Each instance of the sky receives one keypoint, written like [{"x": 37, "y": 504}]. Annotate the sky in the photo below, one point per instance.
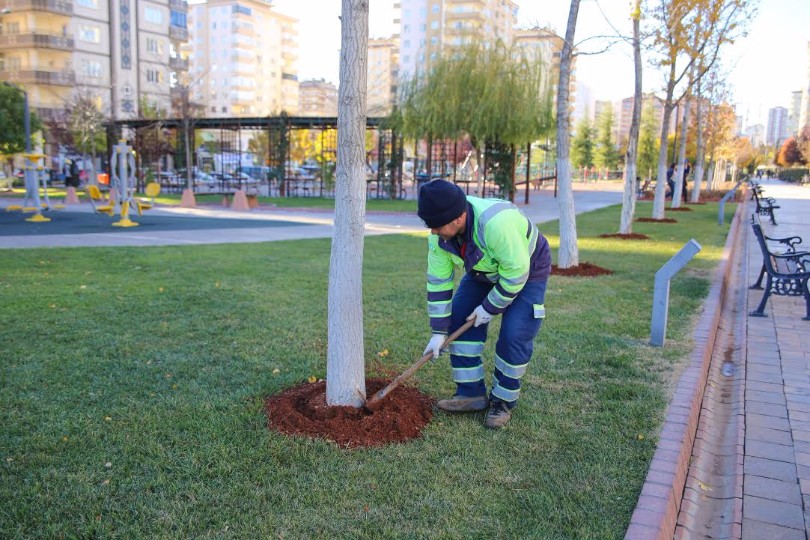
[{"x": 763, "y": 68}]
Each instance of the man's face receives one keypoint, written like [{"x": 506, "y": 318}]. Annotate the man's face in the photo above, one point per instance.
[{"x": 452, "y": 229}]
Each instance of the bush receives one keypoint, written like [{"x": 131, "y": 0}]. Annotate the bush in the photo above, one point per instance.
[{"x": 794, "y": 175}]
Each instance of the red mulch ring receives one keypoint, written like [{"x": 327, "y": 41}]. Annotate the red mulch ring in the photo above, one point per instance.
[
  {"x": 581, "y": 270},
  {"x": 653, "y": 220},
  {"x": 679, "y": 209},
  {"x": 626, "y": 236},
  {"x": 302, "y": 410}
]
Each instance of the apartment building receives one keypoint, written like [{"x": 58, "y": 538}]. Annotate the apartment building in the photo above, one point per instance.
[
  {"x": 804, "y": 109},
  {"x": 777, "y": 127},
  {"x": 383, "y": 68},
  {"x": 316, "y": 97},
  {"x": 116, "y": 50},
  {"x": 430, "y": 27},
  {"x": 243, "y": 59}
]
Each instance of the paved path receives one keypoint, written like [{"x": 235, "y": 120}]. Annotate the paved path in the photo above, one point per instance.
[
  {"x": 220, "y": 225},
  {"x": 776, "y": 461}
]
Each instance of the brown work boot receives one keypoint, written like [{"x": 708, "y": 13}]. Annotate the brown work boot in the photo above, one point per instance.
[
  {"x": 498, "y": 415},
  {"x": 463, "y": 404}
]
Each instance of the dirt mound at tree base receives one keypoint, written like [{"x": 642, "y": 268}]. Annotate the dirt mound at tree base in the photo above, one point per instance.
[
  {"x": 653, "y": 220},
  {"x": 625, "y": 236},
  {"x": 584, "y": 269},
  {"x": 302, "y": 410}
]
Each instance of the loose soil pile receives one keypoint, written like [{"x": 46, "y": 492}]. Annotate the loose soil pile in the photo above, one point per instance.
[
  {"x": 626, "y": 236},
  {"x": 581, "y": 270},
  {"x": 302, "y": 410},
  {"x": 679, "y": 209},
  {"x": 653, "y": 220}
]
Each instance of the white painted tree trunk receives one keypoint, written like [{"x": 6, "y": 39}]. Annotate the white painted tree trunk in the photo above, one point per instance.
[
  {"x": 700, "y": 155},
  {"x": 345, "y": 367},
  {"x": 630, "y": 187},
  {"x": 568, "y": 254},
  {"x": 679, "y": 180},
  {"x": 661, "y": 182}
]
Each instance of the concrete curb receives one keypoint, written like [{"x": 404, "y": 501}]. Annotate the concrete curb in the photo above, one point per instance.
[{"x": 656, "y": 512}]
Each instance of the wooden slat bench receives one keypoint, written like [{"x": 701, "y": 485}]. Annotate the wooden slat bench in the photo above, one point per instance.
[
  {"x": 765, "y": 205},
  {"x": 787, "y": 273}
]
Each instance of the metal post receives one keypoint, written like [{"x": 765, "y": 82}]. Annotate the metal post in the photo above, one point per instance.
[
  {"x": 658, "y": 327},
  {"x": 727, "y": 196}
]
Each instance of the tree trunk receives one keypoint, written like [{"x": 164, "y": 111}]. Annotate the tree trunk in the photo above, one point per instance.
[
  {"x": 679, "y": 170},
  {"x": 568, "y": 253},
  {"x": 661, "y": 182},
  {"x": 701, "y": 150},
  {"x": 345, "y": 370},
  {"x": 630, "y": 187}
]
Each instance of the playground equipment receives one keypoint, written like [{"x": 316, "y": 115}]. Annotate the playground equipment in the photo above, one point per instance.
[
  {"x": 122, "y": 189},
  {"x": 35, "y": 177}
]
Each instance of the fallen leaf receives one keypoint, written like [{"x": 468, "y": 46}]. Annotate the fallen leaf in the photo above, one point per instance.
[
  {"x": 160, "y": 289},
  {"x": 108, "y": 465},
  {"x": 640, "y": 437},
  {"x": 312, "y": 379},
  {"x": 107, "y": 418},
  {"x": 276, "y": 371}
]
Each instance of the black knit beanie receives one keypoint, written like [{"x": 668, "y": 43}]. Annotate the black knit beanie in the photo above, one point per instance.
[{"x": 440, "y": 202}]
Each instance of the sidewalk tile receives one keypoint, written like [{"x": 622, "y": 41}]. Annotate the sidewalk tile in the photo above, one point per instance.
[
  {"x": 775, "y": 490},
  {"x": 775, "y": 512},
  {"x": 768, "y": 468},
  {"x": 757, "y": 530}
]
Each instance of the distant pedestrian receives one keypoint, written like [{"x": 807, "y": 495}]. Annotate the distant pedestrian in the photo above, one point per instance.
[
  {"x": 670, "y": 180},
  {"x": 74, "y": 174},
  {"x": 687, "y": 168}
]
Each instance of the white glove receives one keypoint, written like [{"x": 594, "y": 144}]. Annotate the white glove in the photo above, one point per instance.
[
  {"x": 480, "y": 315},
  {"x": 435, "y": 345}
]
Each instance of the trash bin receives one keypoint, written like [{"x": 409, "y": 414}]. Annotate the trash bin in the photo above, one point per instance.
[{"x": 103, "y": 178}]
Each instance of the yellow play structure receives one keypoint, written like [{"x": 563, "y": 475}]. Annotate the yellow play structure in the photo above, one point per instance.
[
  {"x": 35, "y": 178},
  {"x": 122, "y": 189}
]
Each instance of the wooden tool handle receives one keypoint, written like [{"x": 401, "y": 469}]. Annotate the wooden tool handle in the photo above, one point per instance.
[{"x": 416, "y": 365}]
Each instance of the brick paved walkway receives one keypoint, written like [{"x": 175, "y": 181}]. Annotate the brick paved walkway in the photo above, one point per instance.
[
  {"x": 776, "y": 480},
  {"x": 733, "y": 458}
]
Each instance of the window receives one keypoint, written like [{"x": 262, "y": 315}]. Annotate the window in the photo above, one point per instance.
[
  {"x": 90, "y": 68},
  {"x": 90, "y": 34},
  {"x": 224, "y": 109},
  {"x": 178, "y": 19},
  {"x": 154, "y": 76},
  {"x": 435, "y": 8},
  {"x": 242, "y": 9},
  {"x": 88, "y": 3},
  {"x": 153, "y": 15},
  {"x": 153, "y": 46},
  {"x": 434, "y": 25}
]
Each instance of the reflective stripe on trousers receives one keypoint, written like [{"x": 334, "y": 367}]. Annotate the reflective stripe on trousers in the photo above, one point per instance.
[{"x": 519, "y": 325}]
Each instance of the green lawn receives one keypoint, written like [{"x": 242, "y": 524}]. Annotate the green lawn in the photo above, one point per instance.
[{"x": 133, "y": 382}]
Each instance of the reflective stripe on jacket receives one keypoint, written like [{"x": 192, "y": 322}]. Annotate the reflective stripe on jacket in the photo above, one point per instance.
[{"x": 502, "y": 247}]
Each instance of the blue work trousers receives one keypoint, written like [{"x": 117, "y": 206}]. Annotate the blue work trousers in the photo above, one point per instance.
[{"x": 519, "y": 326}]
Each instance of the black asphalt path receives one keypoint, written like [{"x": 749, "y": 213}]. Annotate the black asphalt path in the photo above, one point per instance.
[{"x": 62, "y": 222}]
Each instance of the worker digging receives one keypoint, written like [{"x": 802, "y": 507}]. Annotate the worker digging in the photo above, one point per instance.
[{"x": 507, "y": 263}]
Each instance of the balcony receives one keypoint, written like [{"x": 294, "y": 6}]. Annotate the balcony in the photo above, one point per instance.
[
  {"x": 38, "y": 76},
  {"x": 178, "y": 64},
  {"x": 179, "y": 5},
  {"x": 57, "y": 7},
  {"x": 178, "y": 33},
  {"x": 38, "y": 40}
]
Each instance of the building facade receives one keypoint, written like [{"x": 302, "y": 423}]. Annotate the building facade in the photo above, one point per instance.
[
  {"x": 777, "y": 128},
  {"x": 383, "y": 72},
  {"x": 316, "y": 97},
  {"x": 430, "y": 27},
  {"x": 242, "y": 59},
  {"x": 115, "y": 51},
  {"x": 804, "y": 113}
]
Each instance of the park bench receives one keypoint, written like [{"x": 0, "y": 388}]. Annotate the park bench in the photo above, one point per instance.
[
  {"x": 765, "y": 205},
  {"x": 787, "y": 273}
]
